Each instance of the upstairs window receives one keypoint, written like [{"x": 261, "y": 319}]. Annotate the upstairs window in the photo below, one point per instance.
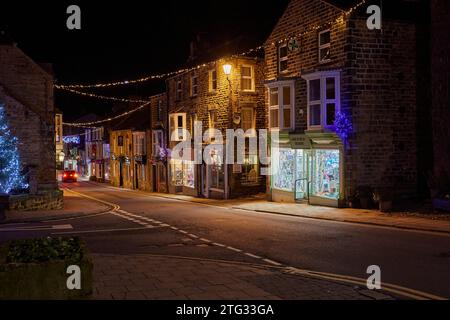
[
  {"x": 157, "y": 142},
  {"x": 281, "y": 106},
  {"x": 213, "y": 119},
  {"x": 248, "y": 118},
  {"x": 212, "y": 80},
  {"x": 247, "y": 78},
  {"x": 194, "y": 85},
  {"x": 323, "y": 99},
  {"x": 177, "y": 126},
  {"x": 139, "y": 144},
  {"x": 324, "y": 46},
  {"x": 282, "y": 58},
  {"x": 178, "y": 89}
]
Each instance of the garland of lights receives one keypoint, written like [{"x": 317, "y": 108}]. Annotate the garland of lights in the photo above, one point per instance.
[
  {"x": 10, "y": 175},
  {"x": 97, "y": 96},
  {"x": 92, "y": 123},
  {"x": 339, "y": 19}
]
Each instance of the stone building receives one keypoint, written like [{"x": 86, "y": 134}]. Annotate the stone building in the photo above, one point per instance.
[
  {"x": 440, "y": 95},
  {"x": 343, "y": 100},
  {"x": 26, "y": 91},
  {"x": 219, "y": 102},
  {"x": 97, "y": 153},
  {"x": 156, "y": 143},
  {"x": 128, "y": 164}
]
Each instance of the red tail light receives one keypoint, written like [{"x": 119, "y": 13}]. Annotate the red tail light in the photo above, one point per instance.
[
  {"x": 75, "y": 175},
  {"x": 65, "y": 175}
]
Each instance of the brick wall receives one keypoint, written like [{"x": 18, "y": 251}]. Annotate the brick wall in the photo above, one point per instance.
[
  {"x": 440, "y": 71},
  {"x": 27, "y": 91}
]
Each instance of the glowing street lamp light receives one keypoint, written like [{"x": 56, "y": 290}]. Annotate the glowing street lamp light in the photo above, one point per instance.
[{"x": 227, "y": 69}]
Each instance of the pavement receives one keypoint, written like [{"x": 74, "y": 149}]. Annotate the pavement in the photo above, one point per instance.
[
  {"x": 75, "y": 205},
  {"x": 401, "y": 220},
  {"x": 143, "y": 276}
]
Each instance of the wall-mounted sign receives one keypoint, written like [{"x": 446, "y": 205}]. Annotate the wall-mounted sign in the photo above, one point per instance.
[
  {"x": 72, "y": 139},
  {"x": 293, "y": 45},
  {"x": 299, "y": 141}
]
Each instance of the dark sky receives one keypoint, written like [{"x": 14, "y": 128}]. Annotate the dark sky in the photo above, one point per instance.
[{"x": 128, "y": 39}]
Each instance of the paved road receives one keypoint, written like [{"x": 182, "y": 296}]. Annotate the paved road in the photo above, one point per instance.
[{"x": 412, "y": 259}]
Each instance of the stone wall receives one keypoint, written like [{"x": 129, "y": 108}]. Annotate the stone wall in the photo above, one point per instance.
[
  {"x": 27, "y": 91},
  {"x": 440, "y": 83},
  {"x": 49, "y": 200},
  {"x": 379, "y": 92}
]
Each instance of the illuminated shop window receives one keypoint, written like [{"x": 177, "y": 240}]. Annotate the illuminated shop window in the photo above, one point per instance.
[
  {"x": 189, "y": 174},
  {"x": 283, "y": 167},
  {"x": 325, "y": 175}
]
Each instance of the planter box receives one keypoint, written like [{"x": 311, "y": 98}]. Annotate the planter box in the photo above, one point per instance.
[{"x": 46, "y": 280}]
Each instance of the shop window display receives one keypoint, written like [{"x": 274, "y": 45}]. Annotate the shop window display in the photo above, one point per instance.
[
  {"x": 283, "y": 166},
  {"x": 176, "y": 170},
  {"x": 326, "y": 174},
  {"x": 188, "y": 174}
]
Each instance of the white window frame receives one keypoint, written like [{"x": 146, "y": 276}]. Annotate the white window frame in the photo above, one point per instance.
[
  {"x": 139, "y": 143},
  {"x": 251, "y": 77},
  {"x": 176, "y": 127},
  {"x": 211, "y": 81},
  {"x": 322, "y": 76},
  {"x": 282, "y": 59},
  {"x": 178, "y": 89},
  {"x": 281, "y": 107},
  {"x": 157, "y": 141},
  {"x": 194, "y": 86},
  {"x": 324, "y": 46}
]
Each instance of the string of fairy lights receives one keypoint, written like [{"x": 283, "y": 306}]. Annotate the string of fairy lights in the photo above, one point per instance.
[
  {"x": 93, "y": 123},
  {"x": 72, "y": 88}
]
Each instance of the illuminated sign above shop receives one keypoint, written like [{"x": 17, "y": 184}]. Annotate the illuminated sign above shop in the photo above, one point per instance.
[{"x": 72, "y": 139}]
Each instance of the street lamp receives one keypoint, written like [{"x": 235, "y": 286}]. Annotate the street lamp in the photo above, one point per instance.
[
  {"x": 227, "y": 69},
  {"x": 61, "y": 156}
]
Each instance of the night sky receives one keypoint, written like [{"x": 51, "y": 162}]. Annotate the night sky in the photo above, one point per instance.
[{"x": 128, "y": 39}]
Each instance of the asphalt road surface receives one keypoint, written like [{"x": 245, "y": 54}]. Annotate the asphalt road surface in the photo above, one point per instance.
[{"x": 150, "y": 224}]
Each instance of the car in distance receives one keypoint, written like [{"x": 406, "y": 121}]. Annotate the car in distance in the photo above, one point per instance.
[{"x": 69, "y": 176}]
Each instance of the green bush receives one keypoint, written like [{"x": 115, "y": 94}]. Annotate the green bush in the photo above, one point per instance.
[{"x": 45, "y": 249}]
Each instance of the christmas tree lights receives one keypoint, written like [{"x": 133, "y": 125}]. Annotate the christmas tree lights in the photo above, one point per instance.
[{"x": 10, "y": 175}]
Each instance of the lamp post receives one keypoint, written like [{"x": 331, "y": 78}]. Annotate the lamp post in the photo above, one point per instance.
[{"x": 227, "y": 71}]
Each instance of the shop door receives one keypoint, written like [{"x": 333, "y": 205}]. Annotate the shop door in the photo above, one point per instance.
[{"x": 302, "y": 180}]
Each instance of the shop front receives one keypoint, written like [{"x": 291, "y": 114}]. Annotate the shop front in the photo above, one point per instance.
[
  {"x": 182, "y": 177},
  {"x": 307, "y": 169}
]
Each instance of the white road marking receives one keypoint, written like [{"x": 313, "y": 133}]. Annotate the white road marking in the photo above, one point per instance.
[
  {"x": 234, "y": 249},
  {"x": 218, "y": 244},
  {"x": 272, "y": 262},
  {"x": 103, "y": 230},
  {"x": 205, "y": 240},
  {"x": 252, "y": 255}
]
